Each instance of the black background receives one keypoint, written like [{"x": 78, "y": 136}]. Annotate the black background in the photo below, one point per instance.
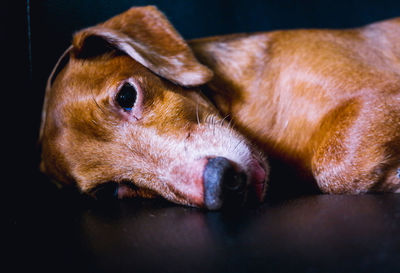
[{"x": 60, "y": 231}]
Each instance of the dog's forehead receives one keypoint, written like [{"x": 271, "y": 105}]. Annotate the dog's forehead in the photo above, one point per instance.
[{"x": 91, "y": 76}]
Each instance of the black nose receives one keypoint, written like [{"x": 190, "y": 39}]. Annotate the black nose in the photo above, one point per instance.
[{"x": 223, "y": 185}]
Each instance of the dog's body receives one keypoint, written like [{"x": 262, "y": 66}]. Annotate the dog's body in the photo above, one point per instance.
[{"x": 328, "y": 101}]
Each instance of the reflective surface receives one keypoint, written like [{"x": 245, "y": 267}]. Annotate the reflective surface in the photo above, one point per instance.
[{"x": 64, "y": 232}]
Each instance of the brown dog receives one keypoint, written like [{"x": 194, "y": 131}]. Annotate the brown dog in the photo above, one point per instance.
[{"x": 123, "y": 108}]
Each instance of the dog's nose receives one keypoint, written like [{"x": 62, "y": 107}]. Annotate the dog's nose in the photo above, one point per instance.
[{"x": 223, "y": 184}]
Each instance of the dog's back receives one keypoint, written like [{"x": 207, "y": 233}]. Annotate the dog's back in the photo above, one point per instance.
[{"x": 325, "y": 100}]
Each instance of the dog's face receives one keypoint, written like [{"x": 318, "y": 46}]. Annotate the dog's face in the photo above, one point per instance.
[{"x": 111, "y": 122}]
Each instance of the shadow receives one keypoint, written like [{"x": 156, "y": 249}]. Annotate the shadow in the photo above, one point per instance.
[
  {"x": 322, "y": 233},
  {"x": 152, "y": 235},
  {"x": 63, "y": 231}
]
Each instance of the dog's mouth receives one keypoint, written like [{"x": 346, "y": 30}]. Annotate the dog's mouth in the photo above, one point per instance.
[{"x": 258, "y": 179}]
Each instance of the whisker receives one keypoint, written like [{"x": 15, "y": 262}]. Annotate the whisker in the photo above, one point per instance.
[
  {"x": 101, "y": 109},
  {"x": 197, "y": 114},
  {"x": 237, "y": 145},
  {"x": 214, "y": 123},
  {"x": 207, "y": 120},
  {"x": 96, "y": 103},
  {"x": 222, "y": 120}
]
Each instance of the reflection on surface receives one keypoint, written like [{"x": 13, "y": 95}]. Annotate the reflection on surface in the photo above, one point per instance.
[
  {"x": 309, "y": 233},
  {"x": 54, "y": 231}
]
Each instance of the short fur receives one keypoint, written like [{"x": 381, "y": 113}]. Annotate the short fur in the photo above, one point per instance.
[{"x": 328, "y": 101}]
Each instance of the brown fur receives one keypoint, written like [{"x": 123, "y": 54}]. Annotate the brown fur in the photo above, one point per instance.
[{"x": 327, "y": 100}]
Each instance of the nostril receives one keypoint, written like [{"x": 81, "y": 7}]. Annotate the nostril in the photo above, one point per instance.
[
  {"x": 233, "y": 180},
  {"x": 222, "y": 182}
]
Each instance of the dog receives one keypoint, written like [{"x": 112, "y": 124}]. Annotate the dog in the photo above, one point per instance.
[{"x": 125, "y": 112}]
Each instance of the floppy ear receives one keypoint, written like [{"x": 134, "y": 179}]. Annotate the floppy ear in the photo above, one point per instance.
[{"x": 146, "y": 35}]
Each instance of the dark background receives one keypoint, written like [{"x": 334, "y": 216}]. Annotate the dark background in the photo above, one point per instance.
[{"x": 52, "y": 230}]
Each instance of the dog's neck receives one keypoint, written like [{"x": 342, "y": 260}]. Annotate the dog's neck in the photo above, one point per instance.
[{"x": 237, "y": 62}]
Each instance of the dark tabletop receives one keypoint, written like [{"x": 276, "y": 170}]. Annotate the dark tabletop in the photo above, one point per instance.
[{"x": 61, "y": 231}]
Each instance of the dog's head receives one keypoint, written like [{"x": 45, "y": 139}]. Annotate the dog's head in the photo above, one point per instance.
[{"x": 123, "y": 112}]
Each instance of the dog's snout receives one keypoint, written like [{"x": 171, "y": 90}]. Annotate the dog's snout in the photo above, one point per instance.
[{"x": 223, "y": 184}]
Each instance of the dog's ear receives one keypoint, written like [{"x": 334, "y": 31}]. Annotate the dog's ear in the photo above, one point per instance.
[{"x": 146, "y": 35}]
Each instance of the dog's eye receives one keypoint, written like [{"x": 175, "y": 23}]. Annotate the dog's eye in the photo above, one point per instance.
[{"x": 126, "y": 96}]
